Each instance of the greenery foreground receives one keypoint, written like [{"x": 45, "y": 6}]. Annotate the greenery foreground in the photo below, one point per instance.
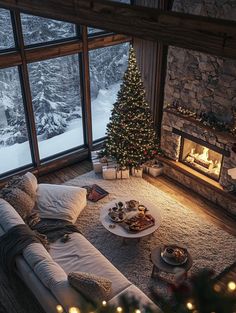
[{"x": 200, "y": 294}]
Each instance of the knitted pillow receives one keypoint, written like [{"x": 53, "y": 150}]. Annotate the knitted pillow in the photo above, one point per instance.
[
  {"x": 20, "y": 192},
  {"x": 95, "y": 288}
]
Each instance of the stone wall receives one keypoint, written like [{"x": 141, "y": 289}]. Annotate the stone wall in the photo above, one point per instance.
[{"x": 197, "y": 81}]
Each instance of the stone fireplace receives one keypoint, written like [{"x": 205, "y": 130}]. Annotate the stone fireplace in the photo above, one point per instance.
[
  {"x": 199, "y": 157},
  {"x": 199, "y": 119}
]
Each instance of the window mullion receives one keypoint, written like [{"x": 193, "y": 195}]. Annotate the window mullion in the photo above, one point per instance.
[
  {"x": 86, "y": 89},
  {"x": 26, "y": 91}
]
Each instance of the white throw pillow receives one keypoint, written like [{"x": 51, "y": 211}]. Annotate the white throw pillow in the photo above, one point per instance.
[{"x": 60, "y": 201}]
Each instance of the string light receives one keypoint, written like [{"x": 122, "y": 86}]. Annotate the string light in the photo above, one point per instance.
[
  {"x": 59, "y": 308},
  {"x": 217, "y": 288},
  {"x": 104, "y": 303},
  {"x": 137, "y": 311},
  {"x": 189, "y": 305},
  {"x": 119, "y": 309},
  {"x": 231, "y": 286},
  {"x": 74, "y": 309}
]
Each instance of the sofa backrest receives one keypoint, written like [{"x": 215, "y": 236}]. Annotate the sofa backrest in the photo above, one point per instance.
[{"x": 50, "y": 274}]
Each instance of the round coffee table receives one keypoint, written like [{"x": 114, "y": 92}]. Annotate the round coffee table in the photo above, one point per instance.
[
  {"x": 120, "y": 230},
  {"x": 160, "y": 267}
]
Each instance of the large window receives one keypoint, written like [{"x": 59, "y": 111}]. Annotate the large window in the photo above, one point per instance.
[
  {"x": 55, "y": 86},
  {"x": 14, "y": 143},
  {"x": 6, "y": 32},
  {"x": 107, "y": 67},
  {"x": 45, "y": 109},
  {"x": 38, "y": 29}
]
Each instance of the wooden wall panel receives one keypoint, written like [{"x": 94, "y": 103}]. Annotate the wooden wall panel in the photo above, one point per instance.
[
  {"x": 146, "y": 52},
  {"x": 151, "y": 57}
]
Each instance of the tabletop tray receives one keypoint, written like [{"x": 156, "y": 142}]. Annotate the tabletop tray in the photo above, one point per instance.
[{"x": 142, "y": 222}]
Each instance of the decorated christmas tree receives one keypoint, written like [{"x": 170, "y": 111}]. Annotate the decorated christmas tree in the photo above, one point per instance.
[{"x": 131, "y": 138}]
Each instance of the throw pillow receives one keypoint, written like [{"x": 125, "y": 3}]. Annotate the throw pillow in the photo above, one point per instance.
[
  {"x": 20, "y": 192},
  {"x": 93, "y": 287},
  {"x": 60, "y": 201},
  {"x": 20, "y": 201}
]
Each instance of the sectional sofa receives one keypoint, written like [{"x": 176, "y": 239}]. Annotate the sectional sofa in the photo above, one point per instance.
[{"x": 46, "y": 273}]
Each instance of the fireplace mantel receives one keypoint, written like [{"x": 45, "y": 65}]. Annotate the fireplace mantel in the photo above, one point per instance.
[{"x": 221, "y": 134}]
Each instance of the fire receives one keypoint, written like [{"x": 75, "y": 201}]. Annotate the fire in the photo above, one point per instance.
[{"x": 200, "y": 159}]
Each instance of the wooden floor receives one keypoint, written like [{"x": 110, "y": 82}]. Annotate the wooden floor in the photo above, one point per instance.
[{"x": 182, "y": 194}]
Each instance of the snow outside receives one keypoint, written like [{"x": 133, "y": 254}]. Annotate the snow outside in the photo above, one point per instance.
[{"x": 56, "y": 93}]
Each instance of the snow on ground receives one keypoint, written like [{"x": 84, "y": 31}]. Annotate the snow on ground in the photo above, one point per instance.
[
  {"x": 101, "y": 110},
  {"x": 18, "y": 155}
]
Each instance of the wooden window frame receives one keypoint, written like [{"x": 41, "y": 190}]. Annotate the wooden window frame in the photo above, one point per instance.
[{"x": 22, "y": 55}]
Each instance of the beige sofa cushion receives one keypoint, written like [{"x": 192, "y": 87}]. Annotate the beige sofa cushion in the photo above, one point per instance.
[
  {"x": 79, "y": 255},
  {"x": 93, "y": 287},
  {"x": 60, "y": 201},
  {"x": 51, "y": 275},
  {"x": 9, "y": 216}
]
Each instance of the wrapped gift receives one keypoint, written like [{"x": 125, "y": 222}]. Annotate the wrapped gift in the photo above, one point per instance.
[
  {"x": 122, "y": 173},
  {"x": 155, "y": 170},
  {"x": 109, "y": 172},
  {"x": 99, "y": 163},
  {"x": 147, "y": 165},
  {"x": 97, "y": 166},
  {"x": 137, "y": 172}
]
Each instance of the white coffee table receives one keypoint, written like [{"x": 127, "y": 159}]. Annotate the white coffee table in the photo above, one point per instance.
[{"x": 120, "y": 230}]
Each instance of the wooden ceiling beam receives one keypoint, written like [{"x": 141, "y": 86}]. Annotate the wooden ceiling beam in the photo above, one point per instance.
[{"x": 209, "y": 35}]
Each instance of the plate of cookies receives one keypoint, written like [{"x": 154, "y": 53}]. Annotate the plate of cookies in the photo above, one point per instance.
[{"x": 174, "y": 255}]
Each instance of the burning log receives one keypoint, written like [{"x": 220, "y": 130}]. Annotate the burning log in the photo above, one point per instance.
[{"x": 205, "y": 163}]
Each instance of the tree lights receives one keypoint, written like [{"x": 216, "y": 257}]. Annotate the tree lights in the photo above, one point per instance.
[{"x": 131, "y": 138}]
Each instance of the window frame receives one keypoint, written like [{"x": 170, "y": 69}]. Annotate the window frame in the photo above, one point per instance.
[{"x": 22, "y": 55}]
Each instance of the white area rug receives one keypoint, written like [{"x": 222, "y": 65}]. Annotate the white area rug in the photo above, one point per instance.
[{"x": 210, "y": 246}]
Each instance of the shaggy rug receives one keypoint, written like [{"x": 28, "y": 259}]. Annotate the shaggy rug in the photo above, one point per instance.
[{"x": 210, "y": 246}]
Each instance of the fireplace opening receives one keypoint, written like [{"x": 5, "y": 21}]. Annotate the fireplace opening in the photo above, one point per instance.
[{"x": 201, "y": 158}]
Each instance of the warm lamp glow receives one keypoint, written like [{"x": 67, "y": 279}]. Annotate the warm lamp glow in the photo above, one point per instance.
[
  {"x": 119, "y": 309},
  {"x": 137, "y": 311},
  {"x": 59, "y": 308},
  {"x": 231, "y": 286},
  {"x": 73, "y": 309}
]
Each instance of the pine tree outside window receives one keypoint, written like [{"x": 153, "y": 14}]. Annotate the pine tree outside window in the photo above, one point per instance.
[
  {"x": 14, "y": 143},
  {"x": 38, "y": 29},
  {"x": 6, "y": 31},
  {"x": 107, "y": 67},
  {"x": 55, "y": 87}
]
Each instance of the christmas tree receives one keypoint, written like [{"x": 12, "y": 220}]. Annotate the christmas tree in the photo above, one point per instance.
[{"x": 131, "y": 138}]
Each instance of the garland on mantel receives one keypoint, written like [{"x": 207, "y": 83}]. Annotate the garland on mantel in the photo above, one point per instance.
[{"x": 207, "y": 119}]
